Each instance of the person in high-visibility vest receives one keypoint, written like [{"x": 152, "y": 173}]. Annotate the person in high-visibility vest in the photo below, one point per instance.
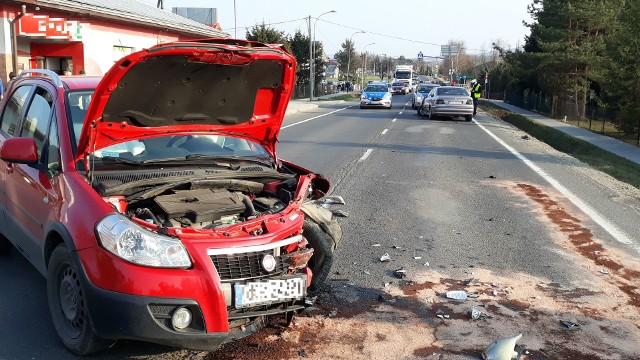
[{"x": 476, "y": 90}]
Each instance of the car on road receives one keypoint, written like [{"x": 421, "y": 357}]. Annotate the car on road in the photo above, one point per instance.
[
  {"x": 449, "y": 101},
  {"x": 400, "y": 88},
  {"x": 153, "y": 201},
  {"x": 376, "y": 94},
  {"x": 422, "y": 90}
]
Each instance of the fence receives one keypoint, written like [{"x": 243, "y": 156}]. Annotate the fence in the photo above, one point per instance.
[
  {"x": 301, "y": 91},
  {"x": 616, "y": 124}
]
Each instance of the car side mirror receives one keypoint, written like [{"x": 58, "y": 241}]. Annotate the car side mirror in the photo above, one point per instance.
[{"x": 19, "y": 150}]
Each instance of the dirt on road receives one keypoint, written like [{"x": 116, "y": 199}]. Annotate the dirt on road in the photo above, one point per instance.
[{"x": 413, "y": 319}]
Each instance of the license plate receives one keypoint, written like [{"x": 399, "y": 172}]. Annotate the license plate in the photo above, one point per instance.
[
  {"x": 269, "y": 291},
  {"x": 455, "y": 102}
]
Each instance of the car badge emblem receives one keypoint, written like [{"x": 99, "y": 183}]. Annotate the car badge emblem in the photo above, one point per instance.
[{"x": 269, "y": 263}]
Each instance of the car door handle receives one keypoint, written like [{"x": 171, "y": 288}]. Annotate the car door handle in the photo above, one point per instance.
[{"x": 9, "y": 168}]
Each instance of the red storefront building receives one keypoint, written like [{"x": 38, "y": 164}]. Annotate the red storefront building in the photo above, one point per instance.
[{"x": 87, "y": 36}]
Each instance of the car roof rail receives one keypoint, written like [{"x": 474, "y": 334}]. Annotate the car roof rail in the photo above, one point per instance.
[{"x": 44, "y": 73}]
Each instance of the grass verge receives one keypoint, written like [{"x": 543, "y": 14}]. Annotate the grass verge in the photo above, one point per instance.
[
  {"x": 341, "y": 97},
  {"x": 614, "y": 165}
]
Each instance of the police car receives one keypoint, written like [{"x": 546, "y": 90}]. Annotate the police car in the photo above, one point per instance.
[{"x": 376, "y": 94}]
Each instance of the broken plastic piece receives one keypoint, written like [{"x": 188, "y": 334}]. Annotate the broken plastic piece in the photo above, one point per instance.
[
  {"x": 387, "y": 284},
  {"x": 366, "y": 272},
  {"x": 302, "y": 353},
  {"x": 385, "y": 257},
  {"x": 340, "y": 213},
  {"x": 604, "y": 271},
  {"x": 443, "y": 316},
  {"x": 569, "y": 324},
  {"x": 400, "y": 273},
  {"x": 420, "y": 237},
  {"x": 310, "y": 300},
  {"x": 335, "y": 199},
  {"x": 457, "y": 295},
  {"x": 475, "y": 313},
  {"x": 376, "y": 245},
  {"x": 397, "y": 247},
  {"x": 426, "y": 264},
  {"x": 417, "y": 257},
  {"x": 503, "y": 349},
  {"x": 333, "y": 313},
  {"x": 495, "y": 292}
]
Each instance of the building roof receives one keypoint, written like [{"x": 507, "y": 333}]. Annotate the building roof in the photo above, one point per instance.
[{"x": 136, "y": 12}]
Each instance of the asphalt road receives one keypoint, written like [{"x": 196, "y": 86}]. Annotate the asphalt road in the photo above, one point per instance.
[{"x": 443, "y": 193}]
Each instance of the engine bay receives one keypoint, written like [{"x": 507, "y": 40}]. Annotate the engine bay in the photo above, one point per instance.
[{"x": 206, "y": 204}]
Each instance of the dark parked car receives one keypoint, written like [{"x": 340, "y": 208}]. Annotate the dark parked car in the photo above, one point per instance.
[{"x": 153, "y": 201}]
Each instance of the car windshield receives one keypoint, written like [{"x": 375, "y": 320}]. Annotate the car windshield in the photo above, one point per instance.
[
  {"x": 425, "y": 89},
  {"x": 398, "y": 84},
  {"x": 161, "y": 148},
  {"x": 452, "y": 91},
  {"x": 376, "y": 88},
  {"x": 403, "y": 75}
]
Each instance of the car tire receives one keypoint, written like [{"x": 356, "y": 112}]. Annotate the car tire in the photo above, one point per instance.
[
  {"x": 322, "y": 259},
  {"x": 432, "y": 116},
  {"x": 5, "y": 245},
  {"x": 361, "y": 107},
  {"x": 67, "y": 305},
  {"x": 421, "y": 112},
  {"x": 468, "y": 117}
]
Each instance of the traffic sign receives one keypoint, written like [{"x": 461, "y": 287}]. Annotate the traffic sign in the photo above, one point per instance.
[{"x": 420, "y": 56}]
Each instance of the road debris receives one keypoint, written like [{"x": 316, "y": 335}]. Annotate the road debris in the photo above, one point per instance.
[
  {"x": 333, "y": 313},
  {"x": 477, "y": 314},
  {"x": 457, "y": 295},
  {"x": 397, "y": 247},
  {"x": 503, "y": 349},
  {"x": 525, "y": 137},
  {"x": 340, "y": 213},
  {"x": 426, "y": 264},
  {"x": 417, "y": 257},
  {"x": 400, "y": 273},
  {"x": 537, "y": 297},
  {"x": 420, "y": 237},
  {"x": 310, "y": 300},
  {"x": 495, "y": 292},
  {"x": 385, "y": 257},
  {"x": 604, "y": 271},
  {"x": 568, "y": 324},
  {"x": 441, "y": 316},
  {"x": 471, "y": 281},
  {"x": 388, "y": 283},
  {"x": 491, "y": 177},
  {"x": 366, "y": 272},
  {"x": 376, "y": 245},
  {"x": 302, "y": 353},
  {"x": 473, "y": 295}
]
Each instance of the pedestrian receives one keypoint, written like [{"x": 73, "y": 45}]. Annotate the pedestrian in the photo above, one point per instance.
[
  {"x": 476, "y": 90},
  {"x": 12, "y": 76}
]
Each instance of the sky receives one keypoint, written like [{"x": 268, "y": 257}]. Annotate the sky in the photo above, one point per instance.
[{"x": 393, "y": 28}]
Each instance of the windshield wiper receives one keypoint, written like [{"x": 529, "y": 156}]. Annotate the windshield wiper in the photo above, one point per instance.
[
  {"x": 120, "y": 160},
  {"x": 266, "y": 161}
]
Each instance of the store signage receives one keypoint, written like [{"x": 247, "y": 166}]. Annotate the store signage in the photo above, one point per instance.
[{"x": 49, "y": 27}]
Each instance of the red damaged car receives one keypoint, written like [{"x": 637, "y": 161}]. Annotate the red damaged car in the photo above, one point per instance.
[{"x": 153, "y": 201}]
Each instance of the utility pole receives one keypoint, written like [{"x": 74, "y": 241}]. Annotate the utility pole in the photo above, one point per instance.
[
  {"x": 235, "y": 22},
  {"x": 311, "y": 79}
]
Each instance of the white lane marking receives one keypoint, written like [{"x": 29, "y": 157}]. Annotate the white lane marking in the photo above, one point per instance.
[
  {"x": 384, "y": 131},
  {"x": 315, "y": 117},
  {"x": 617, "y": 234},
  {"x": 366, "y": 155},
  {"x": 394, "y": 120}
]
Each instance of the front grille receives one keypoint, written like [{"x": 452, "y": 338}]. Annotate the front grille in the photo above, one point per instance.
[
  {"x": 377, "y": 99},
  {"x": 248, "y": 265}
]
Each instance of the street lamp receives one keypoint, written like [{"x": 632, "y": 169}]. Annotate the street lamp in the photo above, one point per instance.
[
  {"x": 364, "y": 63},
  {"x": 349, "y": 52},
  {"x": 312, "y": 61}
]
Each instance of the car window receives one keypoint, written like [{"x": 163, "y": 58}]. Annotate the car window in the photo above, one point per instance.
[
  {"x": 53, "y": 149},
  {"x": 376, "y": 88},
  {"x": 78, "y": 104},
  {"x": 453, "y": 91},
  {"x": 13, "y": 109},
  {"x": 36, "y": 122}
]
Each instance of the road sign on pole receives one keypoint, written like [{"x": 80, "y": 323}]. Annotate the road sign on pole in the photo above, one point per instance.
[{"x": 420, "y": 55}]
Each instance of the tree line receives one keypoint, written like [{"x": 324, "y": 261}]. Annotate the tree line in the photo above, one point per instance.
[{"x": 578, "y": 52}]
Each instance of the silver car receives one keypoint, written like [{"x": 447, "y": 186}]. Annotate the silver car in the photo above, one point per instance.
[
  {"x": 422, "y": 90},
  {"x": 448, "y": 101}
]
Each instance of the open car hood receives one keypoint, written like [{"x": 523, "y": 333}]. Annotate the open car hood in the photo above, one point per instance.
[{"x": 227, "y": 86}]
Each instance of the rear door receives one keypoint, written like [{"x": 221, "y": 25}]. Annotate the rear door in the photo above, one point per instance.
[
  {"x": 32, "y": 195},
  {"x": 13, "y": 108}
]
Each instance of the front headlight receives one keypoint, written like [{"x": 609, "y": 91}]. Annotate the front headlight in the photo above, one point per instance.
[
  {"x": 387, "y": 95},
  {"x": 130, "y": 241},
  {"x": 363, "y": 97},
  {"x": 418, "y": 98}
]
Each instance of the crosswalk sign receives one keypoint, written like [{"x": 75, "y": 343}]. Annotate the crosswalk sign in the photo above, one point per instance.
[{"x": 420, "y": 56}]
